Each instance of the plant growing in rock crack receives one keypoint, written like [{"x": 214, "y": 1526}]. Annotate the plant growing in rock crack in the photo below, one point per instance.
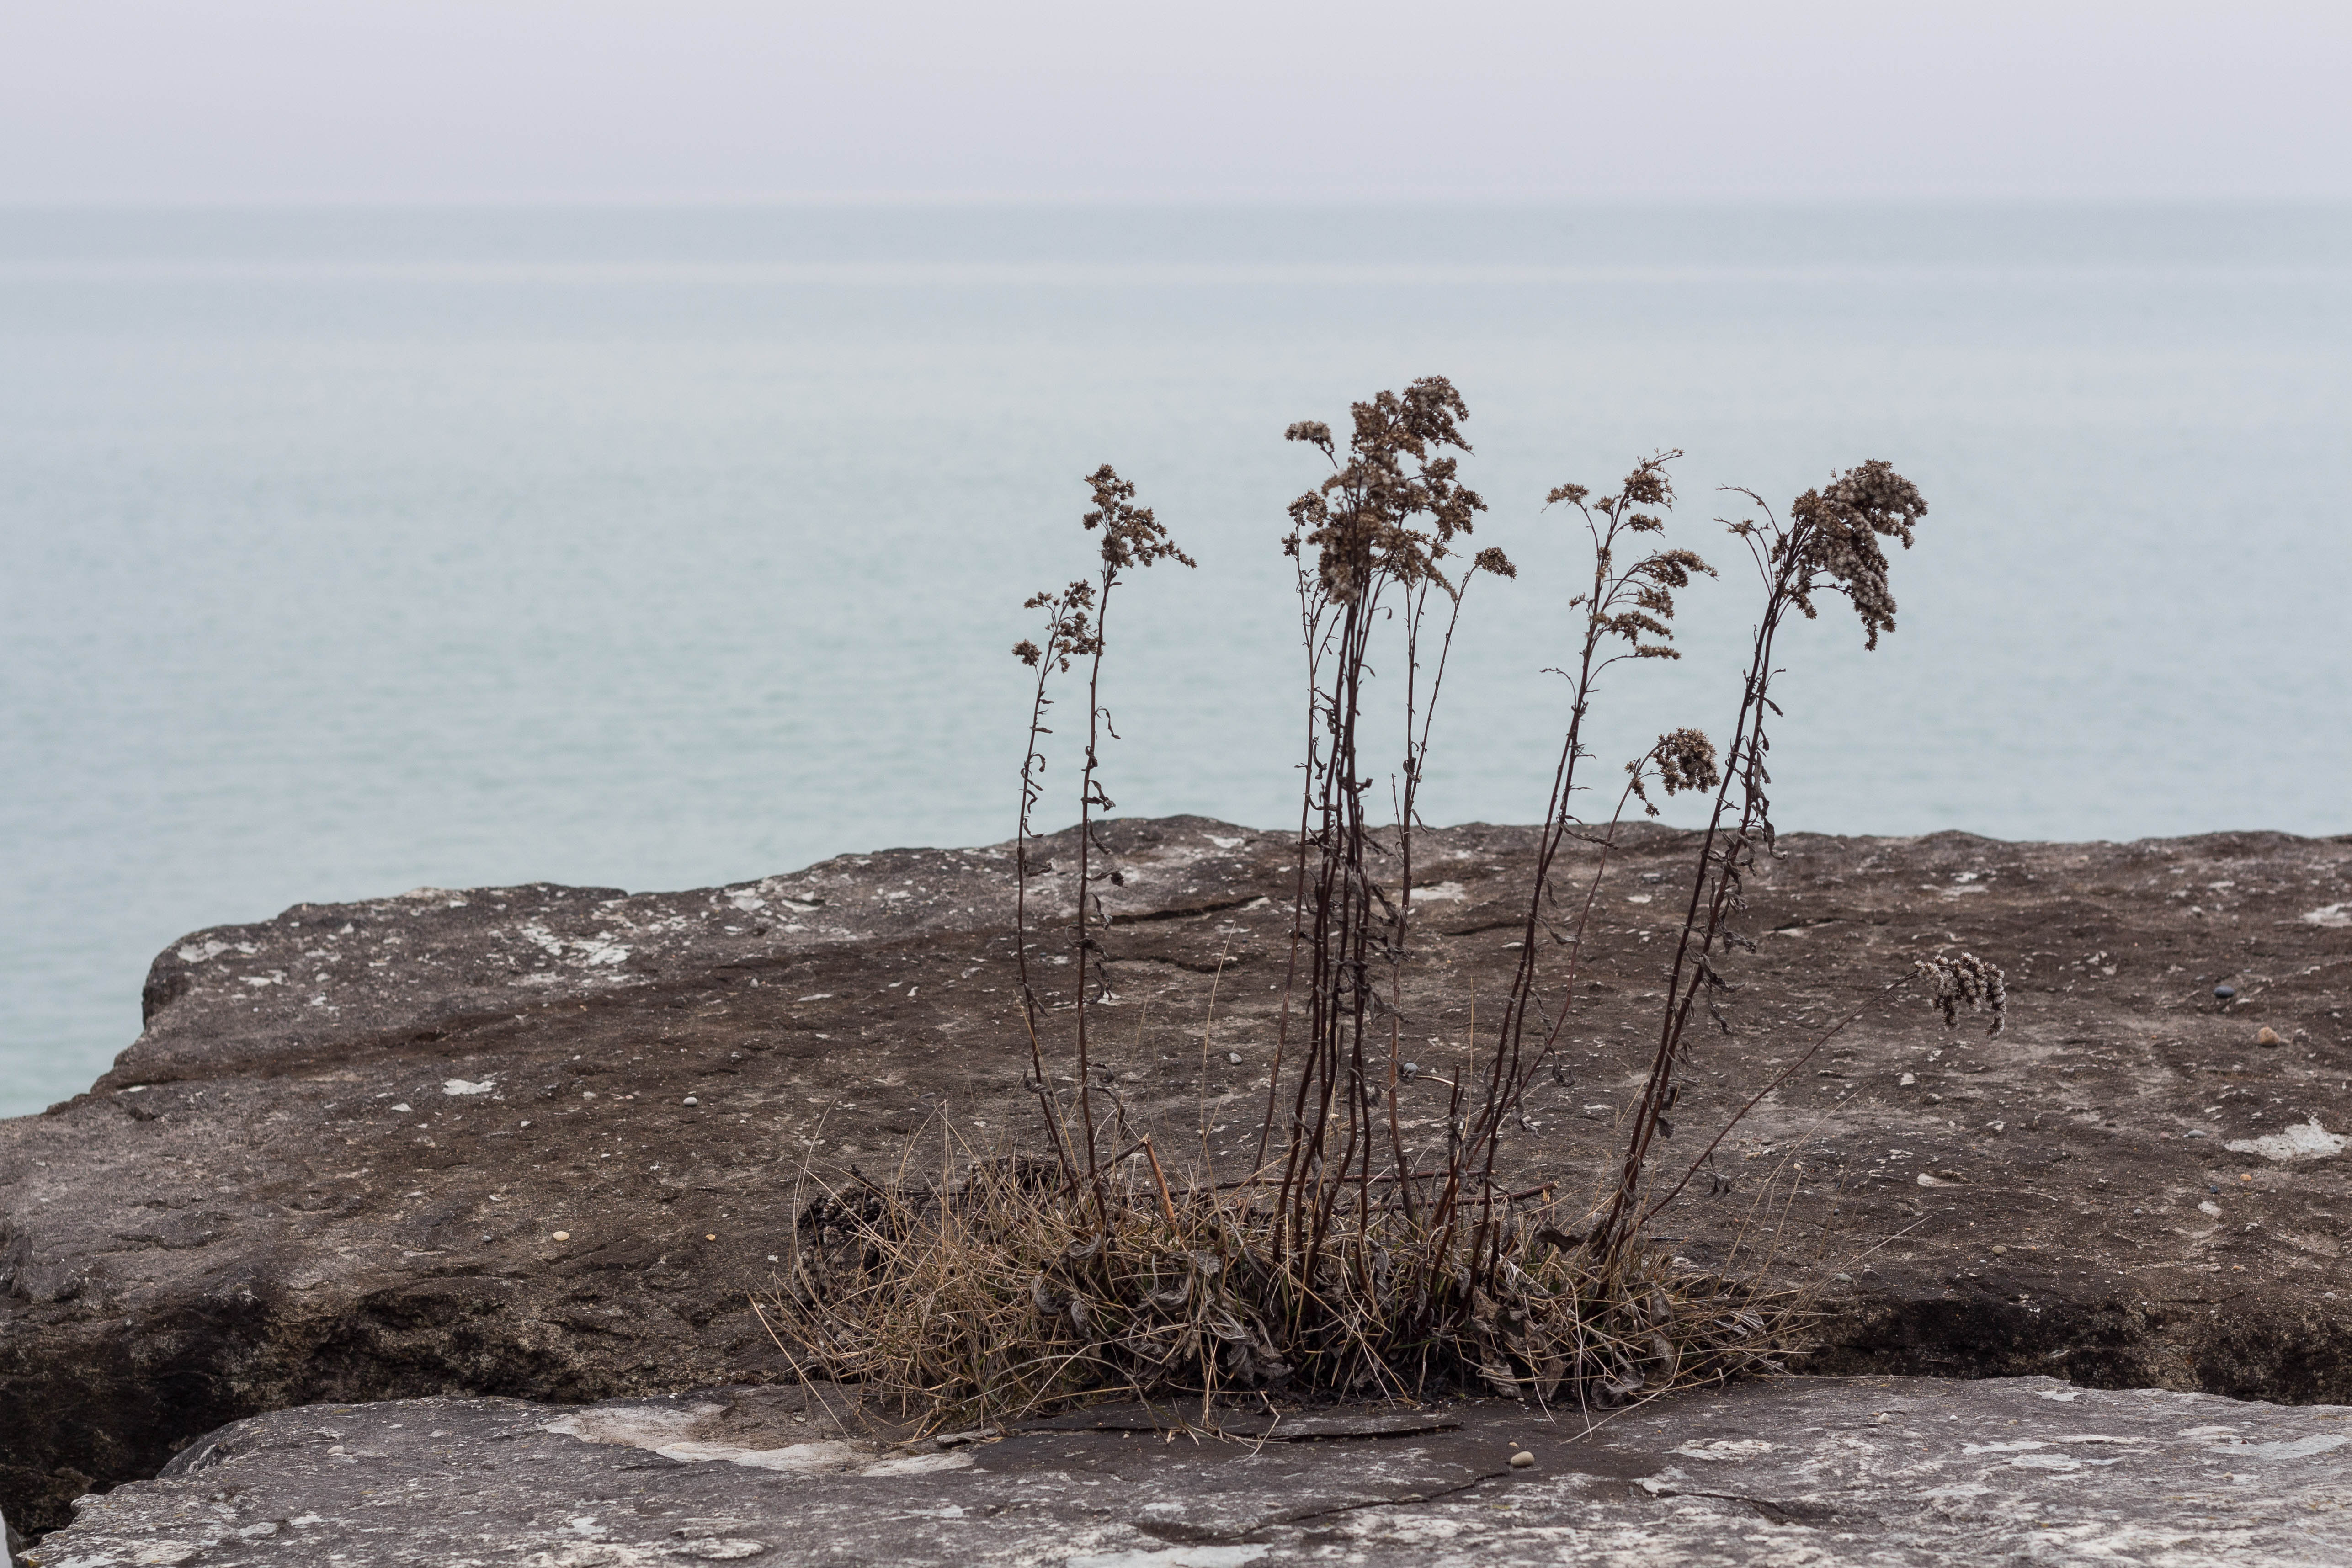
[{"x": 1345, "y": 1259}]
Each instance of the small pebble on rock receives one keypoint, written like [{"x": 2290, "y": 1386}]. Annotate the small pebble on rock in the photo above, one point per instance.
[
  {"x": 1522, "y": 1461},
  {"x": 690, "y": 1099},
  {"x": 564, "y": 1235},
  {"x": 2001, "y": 1250},
  {"x": 2224, "y": 993},
  {"x": 1235, "y": 1057},
  {"x": 2268, "y": 1037},
  {"x": 1909, "y": 1079}
]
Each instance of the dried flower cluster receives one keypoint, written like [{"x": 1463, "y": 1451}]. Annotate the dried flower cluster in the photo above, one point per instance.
[
  {"x": 1967, "y": 981},
  {"x": 1685, "y": 759},
  {"x": 1361, "y": 520},
  {"x": 1131, "y": 535},
  {"x": 1068, "y": 634},
  {"x": 1835, "y": 533}
]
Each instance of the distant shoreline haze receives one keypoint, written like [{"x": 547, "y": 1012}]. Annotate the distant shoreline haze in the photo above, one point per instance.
[{"x": 355, "y": 549}]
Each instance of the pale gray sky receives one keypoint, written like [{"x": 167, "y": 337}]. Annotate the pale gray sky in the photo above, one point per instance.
[{"x": 135, "y": 100}]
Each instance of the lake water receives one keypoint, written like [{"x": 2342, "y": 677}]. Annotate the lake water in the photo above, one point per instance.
[{"x": 347, "y": 552}]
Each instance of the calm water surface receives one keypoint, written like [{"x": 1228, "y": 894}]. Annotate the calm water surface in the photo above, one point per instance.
[{"x": 351, "y": 552}]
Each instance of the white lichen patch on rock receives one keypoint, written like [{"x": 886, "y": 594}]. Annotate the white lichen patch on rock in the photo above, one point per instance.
[
  {"x": 2305, "y": 1141},
  {"x": 601, "y": 950},
  {"x": 1721, "y": 1448},
  {"x": 691, "y": 1434},
  {"x": 203, "y": 952}
]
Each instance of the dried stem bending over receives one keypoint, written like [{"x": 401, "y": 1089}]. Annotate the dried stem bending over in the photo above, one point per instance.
[{"x": 1830, "y": 544}]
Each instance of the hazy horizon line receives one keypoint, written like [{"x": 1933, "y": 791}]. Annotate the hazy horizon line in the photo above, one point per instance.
[{"x": 1244, "y": 200}]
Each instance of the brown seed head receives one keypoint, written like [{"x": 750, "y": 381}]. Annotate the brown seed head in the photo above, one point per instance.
[
  {"x": 1835, "y": 533},
  {"x": 1967, "y": 981}
]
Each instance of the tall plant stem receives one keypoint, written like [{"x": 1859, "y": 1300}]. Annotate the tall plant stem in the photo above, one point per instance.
[
  {"x": 1088, "y": 794},
  {"x": 1712, "y": 889},
  {"x": 1031, "y": 760}
]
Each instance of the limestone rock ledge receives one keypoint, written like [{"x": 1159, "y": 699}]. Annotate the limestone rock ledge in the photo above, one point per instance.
[
  {"x": 542, "y": 1143},
  {"x": 1890, "y": 1472}
]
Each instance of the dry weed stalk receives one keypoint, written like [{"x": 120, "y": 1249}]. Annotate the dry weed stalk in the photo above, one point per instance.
[
  {"x": 1830, "y": 544},
  {"x": 1628, "y": 602},
  {"x": 1387, "y": 518},
  {"x": 1131, "y": 537}
]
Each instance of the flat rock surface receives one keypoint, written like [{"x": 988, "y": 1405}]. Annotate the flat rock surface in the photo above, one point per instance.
[
  {"x": 547, "y": 1142},
  {"x": 1884, "y": 1471}
]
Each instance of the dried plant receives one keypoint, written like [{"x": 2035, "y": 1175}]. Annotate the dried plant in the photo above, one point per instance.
[
  {"x": 1626, "y": 609},
  {"x": 1967, "y": 981},
  {"x": 1828, "y": 545},
  {"x": 1343, "y": 1259},
  {"x": 1385, "y": 521},
  {"x": 1132, "y": 538}
]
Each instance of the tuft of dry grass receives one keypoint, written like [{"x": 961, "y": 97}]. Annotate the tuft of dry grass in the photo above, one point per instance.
[{"x": 1010, "y": 1290}]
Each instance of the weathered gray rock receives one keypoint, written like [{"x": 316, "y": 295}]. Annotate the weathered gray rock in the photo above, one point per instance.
[
  {"x": 1882, "y": 1471},
  {"x": 334, "y": 1166}
]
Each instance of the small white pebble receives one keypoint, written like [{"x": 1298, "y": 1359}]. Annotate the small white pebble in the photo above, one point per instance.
[
  {"x": 564, "y": 1235},
  {"x": 1235, "y": 1057},
  {"x": 771, "y": 1258},
  {"x": 1909, "y": 1079},
  {"x": 1522, "y": 1461},
  {"x": 690, "y": 1099}
]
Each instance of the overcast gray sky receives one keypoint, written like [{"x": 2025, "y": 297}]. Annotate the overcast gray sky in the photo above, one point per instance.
[{"x": 136, "y": 100}]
